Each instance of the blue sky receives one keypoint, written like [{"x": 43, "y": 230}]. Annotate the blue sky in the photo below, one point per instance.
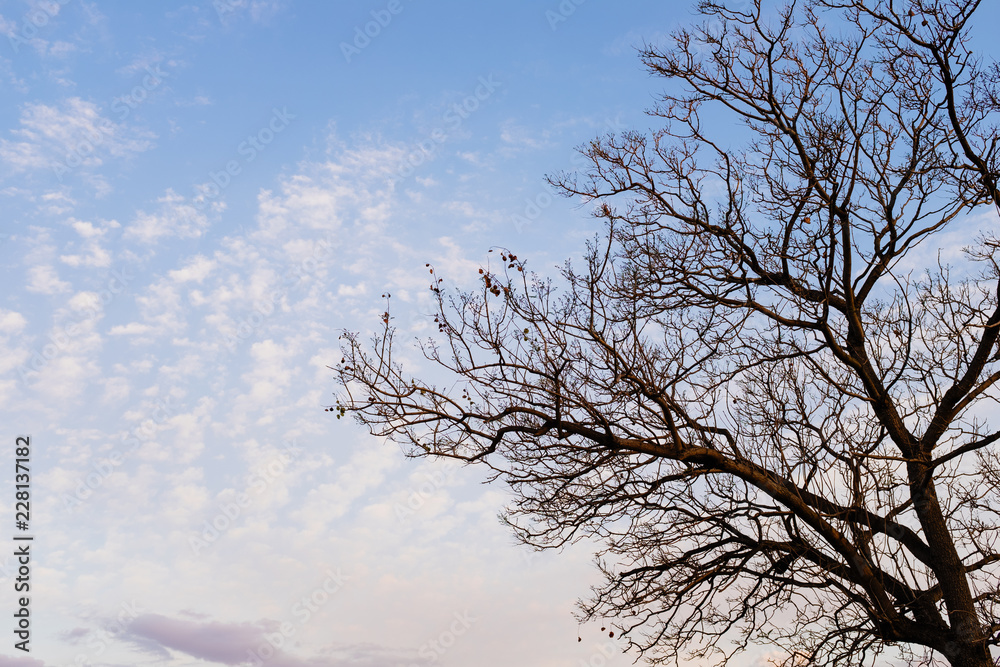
[{"x": 197, "y": 198}]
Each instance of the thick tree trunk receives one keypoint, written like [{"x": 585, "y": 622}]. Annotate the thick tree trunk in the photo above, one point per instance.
[{"x": 971, "y": 656}]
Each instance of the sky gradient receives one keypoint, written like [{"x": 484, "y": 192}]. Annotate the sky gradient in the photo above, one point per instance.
[{"x": 198, "y": 198}]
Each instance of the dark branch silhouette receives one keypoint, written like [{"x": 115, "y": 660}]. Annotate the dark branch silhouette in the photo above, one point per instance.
[{"x": 761, "y": 392}]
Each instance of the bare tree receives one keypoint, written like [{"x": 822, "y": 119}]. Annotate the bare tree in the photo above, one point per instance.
[{"x": 762, "y": 393}]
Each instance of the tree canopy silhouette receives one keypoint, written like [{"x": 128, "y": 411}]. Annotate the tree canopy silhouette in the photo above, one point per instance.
[{"x": 764, "y": 391}]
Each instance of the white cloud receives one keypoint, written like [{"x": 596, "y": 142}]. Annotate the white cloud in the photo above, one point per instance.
[
  {"x": 68, "y": 135},
  {"x": 130, "y": 329},
  {"x": 270, "y": 377},
  {"x": 196, "y": 269},
  {"x": 55, "y": 204},
  {"x": 83, "y": 302},
  {"x": 68, "y": 376},
  {"x": 176, "y": 218},
  {"x": 116, "y": 390},
  {"x": 43, "y": 279},
  {"x": 365, "y": 471},
  {"x": 520, "y": 137},
  {"x": 91, "y": 253},
  {"x": 60, "y": 49},
  {"x": 86, "y": 229},
  {"x": 260, "y": 11},
  {"x": 11, "y": 321}
]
